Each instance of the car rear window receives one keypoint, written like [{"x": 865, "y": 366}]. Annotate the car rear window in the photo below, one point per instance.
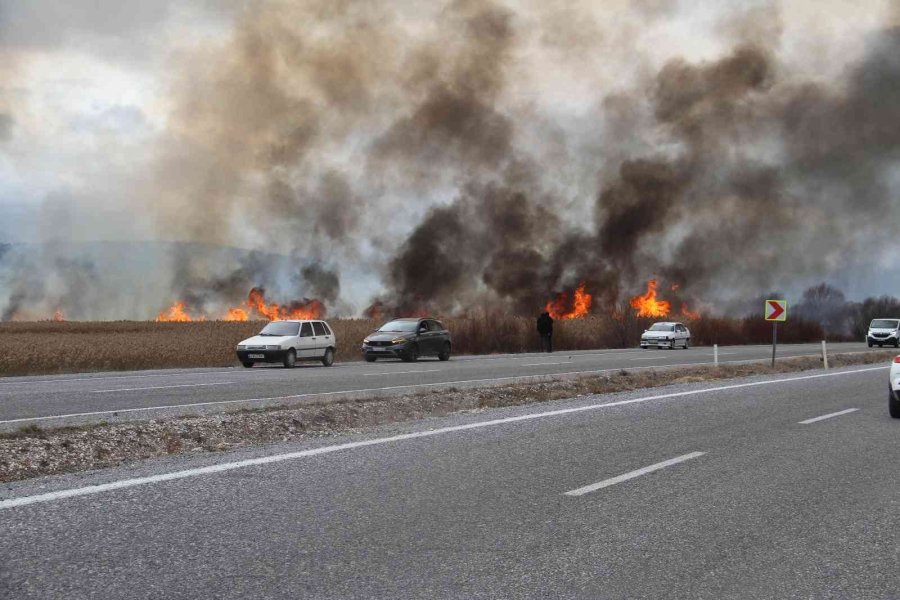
[
  {"x": 319, "y": 328},
  {"x": 327, "y": 328}
]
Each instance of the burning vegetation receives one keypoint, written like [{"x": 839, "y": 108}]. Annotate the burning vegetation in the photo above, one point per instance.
[
  {"x": 255, "y": 307},
  {"x": 580, "y": 306}
]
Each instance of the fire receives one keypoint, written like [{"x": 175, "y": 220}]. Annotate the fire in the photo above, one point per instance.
[
  {"x": 59, "y": 316},
  {"x": 688, "y": 313},
  {"x": 581, "y": 304},
  {"x": 375, "y": 311},
  {"x": 237, "y": 314},
  {"x": 298, "y": 309},
  {"x": 176, "y": 313},
  {"x": 647, "y": 305},
  {"x": 255, "y": 306}
]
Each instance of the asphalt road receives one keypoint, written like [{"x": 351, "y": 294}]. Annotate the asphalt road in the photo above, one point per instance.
[
  {"x": 94, "y": 397},
  {"x": 717, "y": 490}
]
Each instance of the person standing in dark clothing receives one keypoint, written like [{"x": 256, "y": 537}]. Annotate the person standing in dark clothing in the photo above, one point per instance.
[{"x": 545, "y": 329}]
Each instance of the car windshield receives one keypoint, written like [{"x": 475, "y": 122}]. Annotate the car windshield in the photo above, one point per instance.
[
  {"x": 883, "y": 324},
  {"x": 280, "y": 328},
  {"x": 662, "y": 327},
  {"x": 400, "y": 325}
]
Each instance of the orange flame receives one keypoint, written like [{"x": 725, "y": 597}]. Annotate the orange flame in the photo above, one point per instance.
[
  {"x": 59, "y": 316},
  {"x": 375, "y": 311},
  {"x": 298, "y": 309},
  {"x": 581, "y": 304},
  {"x": 176, "y": 313},
  {"x": 646, "y": 305},
  {"x": 255, "y": 305},
  {"x": 688, "y": 313},
  {"x": 237, "y": 314}
]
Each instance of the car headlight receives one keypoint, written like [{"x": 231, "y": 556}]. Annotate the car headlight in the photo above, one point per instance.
[
  {"x": 366, "y": 341},
  {"x": 398, "y": 341},
  {"x": 241, "y": 347},
  {"x": 270, "y": 347}
]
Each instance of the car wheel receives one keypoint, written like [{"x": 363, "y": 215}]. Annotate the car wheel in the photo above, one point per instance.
[
  {"x": 881, "y": 345},
  {"x": 370, "y": 358},
  {"x": 893, "y": 404},
  {"x": 687, "y": 343},
  {"x": 445, "y": 353},
  {"x": 247, "y": 364},
  {"x": 896, "y": 343},
  {"x": 411, "y": 355},
  {"x": 328, "y": 359},
  {"x": 870, "y": 344},
  {"x": 290, "y": 359}
]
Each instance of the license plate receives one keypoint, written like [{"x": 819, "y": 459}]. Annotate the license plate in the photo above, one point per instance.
[{"x": 256, "y": 356}]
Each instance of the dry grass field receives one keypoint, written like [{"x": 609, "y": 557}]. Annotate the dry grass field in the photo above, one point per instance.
[{"x": 67, "y": 347}]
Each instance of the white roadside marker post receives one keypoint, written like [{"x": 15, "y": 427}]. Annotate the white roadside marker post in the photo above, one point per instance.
[
  {"x": 716, "y": 354},
  {"x": 824, "y": 355}
]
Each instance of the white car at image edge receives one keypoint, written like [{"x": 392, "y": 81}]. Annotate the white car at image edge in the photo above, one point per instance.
[
  {"x": 894, "y": 389},
  {"x": 286, "y": 342}
]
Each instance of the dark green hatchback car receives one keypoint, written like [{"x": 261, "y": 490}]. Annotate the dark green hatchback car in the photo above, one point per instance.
[{"x": 408, "y": 339}]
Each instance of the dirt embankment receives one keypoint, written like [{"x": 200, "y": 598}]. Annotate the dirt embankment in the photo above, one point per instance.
[{"x": 32, "y": 452}]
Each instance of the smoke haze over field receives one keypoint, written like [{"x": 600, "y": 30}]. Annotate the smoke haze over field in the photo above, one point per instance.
[{"x": 445, "y": 156}]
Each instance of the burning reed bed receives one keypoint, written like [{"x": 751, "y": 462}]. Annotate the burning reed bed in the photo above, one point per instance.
[
  {"x": 30, "y": 348},
  {"x": 34, "y": 452}
]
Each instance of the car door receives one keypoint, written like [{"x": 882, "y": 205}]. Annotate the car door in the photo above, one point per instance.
[
  {"x": 435, "y": 337},
  {"x": 322, "y": 338},
  {"x": 307, "y": 343},
  {"x": 423, "y": 337}
]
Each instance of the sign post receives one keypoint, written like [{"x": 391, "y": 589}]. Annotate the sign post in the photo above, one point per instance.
[{"x": 776, "y": 311}]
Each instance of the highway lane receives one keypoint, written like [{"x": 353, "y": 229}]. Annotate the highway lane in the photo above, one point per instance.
[
  {"x": 770, "y": 504},
  {"x": 73, "y": 399}
]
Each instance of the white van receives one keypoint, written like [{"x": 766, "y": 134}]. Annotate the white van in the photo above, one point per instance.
[
  {"x": 289, "y": 341},
  {"x": 884, "y": 331}
]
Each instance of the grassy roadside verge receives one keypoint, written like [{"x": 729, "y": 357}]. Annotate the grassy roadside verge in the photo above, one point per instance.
[{"x": 33, "y": 452}]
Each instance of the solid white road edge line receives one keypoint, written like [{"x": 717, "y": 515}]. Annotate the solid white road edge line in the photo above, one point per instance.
[
  {"x": 449, "y": 383},
  {"x": 113, "y": 377},
  {"x": 828, "y": 416},
  {"x": 229, "y": 466},
  {"x": 632, "y": 474},
  {"x": 161, "y": 387},
  {"x": 401, "y": 372}
]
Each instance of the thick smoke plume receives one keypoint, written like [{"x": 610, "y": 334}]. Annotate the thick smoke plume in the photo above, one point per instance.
[{"x": 480, "y": 154}]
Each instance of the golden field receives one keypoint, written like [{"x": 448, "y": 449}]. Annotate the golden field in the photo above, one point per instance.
[{"x": 80, "y": 346}]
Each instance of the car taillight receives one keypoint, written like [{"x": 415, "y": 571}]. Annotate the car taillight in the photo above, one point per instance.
[{"x": 897, "y": 360}]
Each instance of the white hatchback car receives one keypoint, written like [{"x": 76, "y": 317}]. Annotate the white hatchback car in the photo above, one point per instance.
[
  {"x": 289, "y": 341},
  {"x": 894, "y": 389},
  {"x": 666, "y": 335}
]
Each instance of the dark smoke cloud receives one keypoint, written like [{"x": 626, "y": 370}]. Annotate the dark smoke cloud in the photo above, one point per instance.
[
  {"x": 412, "y": 143},
  {"x": 764, "y": 178},
  {"x": 321, "y": 282}
]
